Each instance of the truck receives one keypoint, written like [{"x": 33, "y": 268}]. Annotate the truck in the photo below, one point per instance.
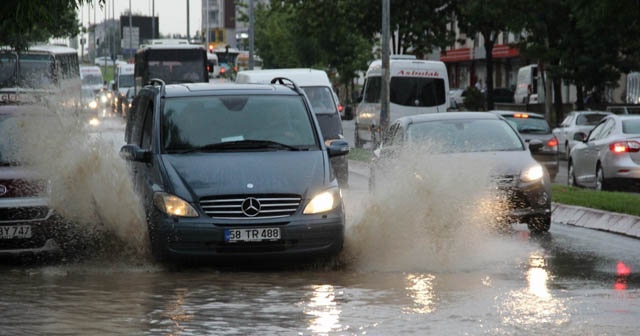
[{"x": 123, "y": 80}]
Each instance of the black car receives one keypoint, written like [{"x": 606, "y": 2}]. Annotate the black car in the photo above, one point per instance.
[
  {"x": 533, "y": 126},
  {"x": 229, "y": 171},
  {"x": 503, "y": 95},
  {"x": 478, "y": 148}
]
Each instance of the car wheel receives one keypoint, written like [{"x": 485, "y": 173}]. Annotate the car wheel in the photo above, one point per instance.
[
  {"x": 539, "y": 224},
  {"x": 601, "y": 182},
  {"x": 571, "y": 175}
]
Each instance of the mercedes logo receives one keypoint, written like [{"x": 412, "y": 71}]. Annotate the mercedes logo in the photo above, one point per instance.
[
  {"x": 251, "y": 207},
  {"x": 3, "y": 190}
]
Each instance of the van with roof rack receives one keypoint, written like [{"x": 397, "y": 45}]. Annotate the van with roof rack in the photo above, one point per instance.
[{"x": 234, "y": 173}]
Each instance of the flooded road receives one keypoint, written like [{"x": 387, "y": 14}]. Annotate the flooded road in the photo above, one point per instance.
[{"x": 390, "y": 280}]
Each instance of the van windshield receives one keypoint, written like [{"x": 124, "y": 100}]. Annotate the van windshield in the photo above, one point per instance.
[
  {"x": 190, "y": 122},
  {"x": 408, "y": 91}
]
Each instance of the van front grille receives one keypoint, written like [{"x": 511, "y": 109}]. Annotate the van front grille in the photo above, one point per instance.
[{"x": 251, "y": 206}]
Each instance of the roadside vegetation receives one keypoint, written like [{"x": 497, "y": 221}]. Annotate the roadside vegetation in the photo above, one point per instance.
[
  {"x": 620, "y": 202},
  {"x": 359, "y": 154}
]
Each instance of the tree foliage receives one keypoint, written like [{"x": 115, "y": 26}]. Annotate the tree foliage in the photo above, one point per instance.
[
  {"x": 26, "y": 21},
  {"x": 488, "y": 18}
]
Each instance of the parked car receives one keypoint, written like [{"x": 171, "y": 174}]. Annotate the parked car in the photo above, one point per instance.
[
  {"x": 608, "y": 158},
  {"x": 503, "y": 95},
  {"x": 28, "y": 226},
  {"x": 576, "y": 121},
  {"x": 456, "y": 95},
  {"x": 228, "y": 171},
  {"x": 466, "y": 138},
  {"x": 533, "y": 126}
]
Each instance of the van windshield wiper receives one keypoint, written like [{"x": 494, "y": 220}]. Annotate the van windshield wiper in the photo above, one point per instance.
[{"x": 239, "y": 144}]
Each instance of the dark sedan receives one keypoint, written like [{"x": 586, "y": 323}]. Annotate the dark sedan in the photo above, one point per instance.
[{"x": 534, "y": 126}]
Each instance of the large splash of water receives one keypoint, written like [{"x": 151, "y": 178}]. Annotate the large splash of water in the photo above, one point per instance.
[
  {"x": 430, "y": 212},
  {"x": 90, "y": 184}
]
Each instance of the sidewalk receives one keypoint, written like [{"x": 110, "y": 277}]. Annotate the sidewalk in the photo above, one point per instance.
[{"x": 566, "y": 214}]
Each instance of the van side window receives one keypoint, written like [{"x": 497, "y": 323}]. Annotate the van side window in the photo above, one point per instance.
[
  {"x": 147, "y": 128},
  {"x": 417, "y": 91},
  {"x": 136, "y": 120}
]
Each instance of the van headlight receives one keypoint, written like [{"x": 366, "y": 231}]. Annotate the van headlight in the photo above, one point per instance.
[
  {"x": 173, "y": 205},
  {"x": 324, "y": 201},
  {"x": 532, "y": 173}
]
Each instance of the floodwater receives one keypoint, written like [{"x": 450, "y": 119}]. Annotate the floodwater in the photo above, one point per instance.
[{"x": 417, "y": 261}]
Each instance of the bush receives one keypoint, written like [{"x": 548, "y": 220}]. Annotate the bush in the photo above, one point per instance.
[{"x": 474, "y": 100}]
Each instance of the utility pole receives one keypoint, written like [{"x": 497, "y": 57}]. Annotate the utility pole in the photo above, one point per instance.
[
  {"x": 131, "y": 31},
  {"x": 188, "y": 35},
  {"x": 153, "y": 19},
  {"x": 208, "y": 39},
  {"x": 251, "y": 24},
  {"x": 384, "y": 89}
]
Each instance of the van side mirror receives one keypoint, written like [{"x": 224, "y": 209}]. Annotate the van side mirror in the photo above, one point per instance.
[
  {"x": 337, "y": 147},
  {"x": 131, "y": 152}
]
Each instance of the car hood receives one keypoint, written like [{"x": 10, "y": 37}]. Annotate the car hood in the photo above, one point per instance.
[
  {"x": 206, "y": 174},
  {"x": 503, "y": 162}
]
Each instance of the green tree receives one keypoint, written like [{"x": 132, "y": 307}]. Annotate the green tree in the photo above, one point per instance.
[
  {"x": 487, "y": 18},
  {"x": 26, "y": 21}
]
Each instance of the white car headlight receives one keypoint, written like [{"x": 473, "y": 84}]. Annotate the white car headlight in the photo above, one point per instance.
[
  {"x": 93, "y": 104},
  {"x": 532, "y": 173},
  {"x": 324, "y": 201},
  {"x": 173, "y": 205}
]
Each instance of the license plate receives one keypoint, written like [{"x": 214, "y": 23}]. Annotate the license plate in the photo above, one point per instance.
[
  {"x": 251, "y": 235},
  {"x": 15, "y": 232}
]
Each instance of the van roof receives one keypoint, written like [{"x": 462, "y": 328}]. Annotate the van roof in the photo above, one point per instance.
[
  {"x": 434, "y": 68},
  {"x": 301, "y": 76}
]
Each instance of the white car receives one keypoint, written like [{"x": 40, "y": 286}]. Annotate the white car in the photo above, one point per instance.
[
  {"x": 576, "y": 121},
  {"x": 456, "y": 96}
]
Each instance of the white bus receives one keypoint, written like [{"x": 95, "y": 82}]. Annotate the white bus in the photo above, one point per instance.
[
  {"x": 415, "y": 87},
  {"x": 41, "y": 72}
]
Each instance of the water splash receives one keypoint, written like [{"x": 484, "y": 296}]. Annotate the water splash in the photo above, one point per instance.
[
  {"x": 431, "y": 212},
  {"x": 90, "y": 185}
]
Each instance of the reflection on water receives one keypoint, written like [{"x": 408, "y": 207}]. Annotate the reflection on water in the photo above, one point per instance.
[
  {"x": 421, "y": 290},
  {"x": 323, "y": 309},
  {"x": 534, "y": 305}
]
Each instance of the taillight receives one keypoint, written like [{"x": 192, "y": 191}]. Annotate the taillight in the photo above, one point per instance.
[
  {"x": 553, "y": 142},
  {"x": 625, "y": 147},
  {"x": 340, "y": 108}
]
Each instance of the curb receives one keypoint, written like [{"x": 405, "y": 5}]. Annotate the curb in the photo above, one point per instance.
[{"x": 627, "y": 225}]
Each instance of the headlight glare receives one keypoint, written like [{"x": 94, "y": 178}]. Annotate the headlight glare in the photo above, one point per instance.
[
  {"x": 173, "y": 205},
  {"x": 532, "y": 173},
  {"x": 323, "y": 202}
]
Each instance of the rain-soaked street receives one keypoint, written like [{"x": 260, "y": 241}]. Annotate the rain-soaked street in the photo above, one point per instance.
[{"x": 394, "y": 277}]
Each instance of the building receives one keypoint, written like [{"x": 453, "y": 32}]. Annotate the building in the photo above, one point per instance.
[{"x": 219, "y": 19}]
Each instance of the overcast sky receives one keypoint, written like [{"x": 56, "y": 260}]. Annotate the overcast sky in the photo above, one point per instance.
[{"x": 172, "y": 14}]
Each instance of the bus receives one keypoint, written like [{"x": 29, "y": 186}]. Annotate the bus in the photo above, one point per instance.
[
  {"x": 227, "y": 60},
  {"x": 40, "y": 73},
  {"x": 172, "y": 63},
  {"x": 242, "y": 62}
]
